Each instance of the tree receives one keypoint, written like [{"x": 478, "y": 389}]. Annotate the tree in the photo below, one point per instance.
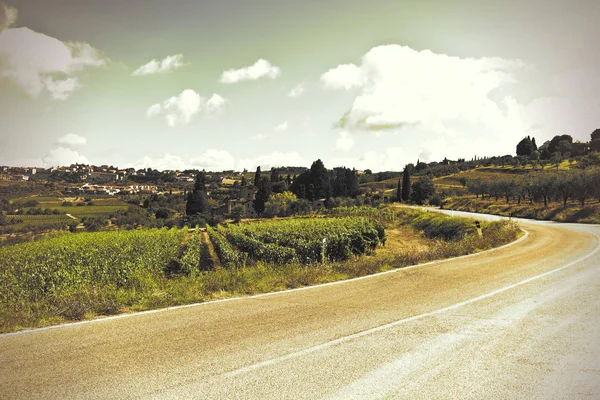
[
  {"x": 274, "y": 175},
  {"x": 238, "y": 212},
  {"x": 525, "y": 147},
  {"x": 583, "y": 186},
  {"x": 262, "y": 195},
  {"x": 257, "y": 177},
  {"x": 197, "y": 201},
  {"x": 320, "y": 179},
  {"x": 564, "y": 185},
  {"x": 422, "y": 190},
  {"x": 243, "y": 182},
  {"x": 406, "y": 184},
  {"x": 556, "y": 140},
  {"x": 162, "y": 213},
  {"x": 595, "y": 142},
  {"x": 399, "y": 191}
]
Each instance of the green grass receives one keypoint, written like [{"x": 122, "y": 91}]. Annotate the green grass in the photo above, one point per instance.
[
  {"x": 37, "y": 220},
  {"x": 98, "y": 209}
]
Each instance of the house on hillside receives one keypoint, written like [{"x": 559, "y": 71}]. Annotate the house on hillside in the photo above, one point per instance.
[{"x": 248, "y": 205}]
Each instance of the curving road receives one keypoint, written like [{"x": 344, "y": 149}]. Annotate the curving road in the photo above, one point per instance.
[{"x": 522, "y": 321}]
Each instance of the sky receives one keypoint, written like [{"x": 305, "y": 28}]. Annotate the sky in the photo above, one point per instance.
[{"x": 234, "y": 84}]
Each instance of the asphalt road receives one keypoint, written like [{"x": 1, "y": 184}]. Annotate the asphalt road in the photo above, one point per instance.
[{"x": 521, "y": 322}]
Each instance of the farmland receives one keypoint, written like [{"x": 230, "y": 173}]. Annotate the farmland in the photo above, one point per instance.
[{"x": 79, "y": 276}]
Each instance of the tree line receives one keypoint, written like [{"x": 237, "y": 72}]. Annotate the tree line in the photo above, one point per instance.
[{"x": 541, "y": 186}]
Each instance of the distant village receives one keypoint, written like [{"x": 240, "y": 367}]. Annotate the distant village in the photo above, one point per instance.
[{"x": 227, "y": 189}]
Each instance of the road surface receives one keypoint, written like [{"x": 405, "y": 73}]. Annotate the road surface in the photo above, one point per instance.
[{"x": 520, "y": 322}]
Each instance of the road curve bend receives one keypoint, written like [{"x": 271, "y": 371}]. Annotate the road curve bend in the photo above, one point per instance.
[{"x": 522, "y": 321}]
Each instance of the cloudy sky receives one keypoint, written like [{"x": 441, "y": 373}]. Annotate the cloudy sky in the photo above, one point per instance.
[{"x": 232, "y": 84}]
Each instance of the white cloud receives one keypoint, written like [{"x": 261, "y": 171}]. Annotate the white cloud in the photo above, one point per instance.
[
  {"x": 344, "y": 142},
  {"x": 345, "y": 76},
  {"x": 167, "y": 64},
  {"x": 400, "y": 86},
  {"x": 60, "y": 89},
  {"x": 153, "y": 110},
  {"x": 8, "y": 16},
  {"x": 167, "y": 162},
  {"x": 260, "y": 136},
  {"x": 297, "y": 91},
  {"x": 261, "y": 68},
  {"x": 71, "y": 139},
  {"x": 215, "y": 103},
  {"x": 37, "y": 62},
  {"x": 282, "y": 126},
  {"x": 180, "y": 109},
  {"x": 214, "y": 160},
  {"x": 275, "y": 159},
  {"x": 392, "y": 159},
  {"x": 63, "y": 156}
]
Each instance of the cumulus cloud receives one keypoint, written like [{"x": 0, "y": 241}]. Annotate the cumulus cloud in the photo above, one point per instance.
[
  {"x": 214, "y": 160},
  {"x": 153, "y": 110},
  {"x": 392, "y": 159},
  {"x": 8, "y": 16},
  {"x": 181, "y": 109},
  {"x": 344, "y": 142},
  {"x": 37, "y": 62},
  {"x": 419, "y": 94},
  {"x": 215, "y": 103},
  {"x": 275, "y": 159},
  {"x": 167, "y": 64},
  {"x": 167, "y": 162},
  {"x": 345, "y": 76},
  {"x": 297, "y": 91},
  {"x": 63, "y": 156},
  {"x": 282, "y": 126},
  {"x": 260, "y": 69},
  {"x": 72, "y": 140},
  {"x": 60, "y": 89},
  {"x": 400, "y": 86}
]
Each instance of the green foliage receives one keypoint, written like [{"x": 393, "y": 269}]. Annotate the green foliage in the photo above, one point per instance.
[
  {"x": 406, "y": 184},
  {"x": 344, "y": 236},
  {"x": 257, "y": 250},
  {"x": 197, "y": 201},
  {"x": 526, "y": 147},
  {"x": 190, "y": 261},
  {"x": 228, "y": 256},
  {"x": 438, "y": 226},
  {"x": 42, "y": 272},
  {"x": 422, "y": 190}
]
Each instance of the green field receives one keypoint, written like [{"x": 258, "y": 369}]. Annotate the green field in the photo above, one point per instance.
[
  {"x": 40, "y": 199},
  {"x": 90, "y": 211},
  {"x": 52, "y": 221}
]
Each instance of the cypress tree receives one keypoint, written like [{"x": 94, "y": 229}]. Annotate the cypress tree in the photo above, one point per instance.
[
  {"x": 406, "y": 184},
  {"x": 197, "y": 200},
  {"x": 257, "y": 176},
  {"x": 399, "y": 191}
]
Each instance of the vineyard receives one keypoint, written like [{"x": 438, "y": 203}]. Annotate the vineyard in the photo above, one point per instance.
[{"x": 102, "y": 267}]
